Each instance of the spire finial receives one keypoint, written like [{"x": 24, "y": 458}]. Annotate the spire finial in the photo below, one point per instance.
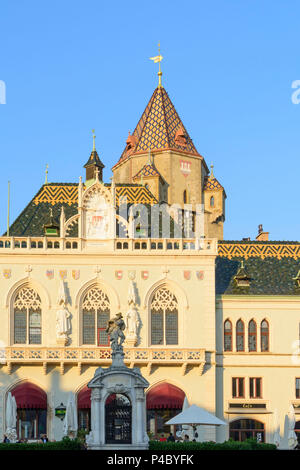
[
  {"x": 46, "y": 177},
  {"x": 158, "y": 59},
  {"x": 94, "y": 137},
  {"x": 211, "y": 171}
]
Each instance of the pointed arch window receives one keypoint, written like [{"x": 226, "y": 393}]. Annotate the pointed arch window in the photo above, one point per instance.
[
  {"x": 95, "y": 315},
  {"x": 264, "y": 336},
  {"x": 227, "y": 335},
  {"x": 252, "y": 336},
  {"x": 27, "y": 317},
  {"x": 164, "y": 317},
  {"x": 212, "y": 201},
  {"x": 240, "y": 336},
  {"x": 185, "y": 196}
]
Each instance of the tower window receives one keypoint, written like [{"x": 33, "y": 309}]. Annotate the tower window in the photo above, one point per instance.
[
  {"x": 185, "y": 196},
  {"x": 212, "y": 201}
]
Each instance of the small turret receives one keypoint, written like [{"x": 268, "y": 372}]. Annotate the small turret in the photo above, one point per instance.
[{"x": 94, "y": 163}]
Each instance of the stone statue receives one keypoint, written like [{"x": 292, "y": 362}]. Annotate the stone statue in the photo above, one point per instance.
[
  {"x": 62, "y": 317},
  {"x": 131, "y": 318},
  {"x": 115, "y": 329}
]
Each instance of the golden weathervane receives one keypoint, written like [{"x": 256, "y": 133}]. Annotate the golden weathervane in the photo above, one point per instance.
[{"x": 158, "y": 59}]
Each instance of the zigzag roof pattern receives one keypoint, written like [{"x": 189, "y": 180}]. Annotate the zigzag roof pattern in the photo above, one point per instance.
[
  {"x": 55, "y": 195},
  {"x": 157, "y": 128}
]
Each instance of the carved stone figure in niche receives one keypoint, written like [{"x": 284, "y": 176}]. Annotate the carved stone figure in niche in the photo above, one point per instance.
[
  {"x": 131, "y": 317},
  {"x": 62, "y": 317}
]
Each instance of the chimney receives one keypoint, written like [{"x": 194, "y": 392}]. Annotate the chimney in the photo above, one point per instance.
[{"x": 262, "y": 236}]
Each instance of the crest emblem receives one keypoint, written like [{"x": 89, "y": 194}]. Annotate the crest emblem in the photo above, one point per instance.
[
  {"x": 63, "y": 274},
  {"x": 75, "y": 274},
  {"x": 50, "y": 273},
  {"x": 119, "y": 274},
  {"x": 200, "y": 275},
  {"x": 6, "y": 273},
  {"x": 185, "y": 167},
  {"x": 145, "y": 274},
  {"x": 187, "y": 275},
  {"x": 131, "y": 275}
]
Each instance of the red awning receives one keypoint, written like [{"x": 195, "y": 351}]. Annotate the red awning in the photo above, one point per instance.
[
  {"x": 28, "y": 395},
  {"x": 84, "y": 398},
  {"x": 165, "y": 396}
]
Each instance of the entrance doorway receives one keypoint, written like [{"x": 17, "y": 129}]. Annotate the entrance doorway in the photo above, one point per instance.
[{"x": 118, "y": 419}]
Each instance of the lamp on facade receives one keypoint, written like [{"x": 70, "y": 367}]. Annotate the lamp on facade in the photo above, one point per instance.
[{"x": 60, "y": 411}]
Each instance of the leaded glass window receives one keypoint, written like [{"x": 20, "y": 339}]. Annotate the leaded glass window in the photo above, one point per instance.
[
  {"x": 27, "y": 317},
  {"x": 164, "y": 317},
  {"x": 227, "y": 335},
  {"x": 252, "y": 336},
  {"x": 264, "y": 336},
  {"x": 240, "y": 336},
  {"x": 95, "y": 315}
]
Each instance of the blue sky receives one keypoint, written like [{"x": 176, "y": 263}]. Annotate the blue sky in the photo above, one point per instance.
[{"x": 71, "y": 66}]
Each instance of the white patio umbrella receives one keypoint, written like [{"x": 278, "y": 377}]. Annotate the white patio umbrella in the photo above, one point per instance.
[
  {"x": 292, "y": 438},
  {"x": 11, "y": 412},
  {"x": 194, "y": 415},
  {"x": 71, "y": 421},
  {"x": 276, "y": 428},
  {"x": 186, "y": 428}
]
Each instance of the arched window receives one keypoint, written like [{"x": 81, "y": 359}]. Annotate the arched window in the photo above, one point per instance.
[
  {"x": 95, "y": 315},
  {"x": 31, "y": 403},
  {"x": 164, "y": 317},
  {"x": 252, "y": 336},
  {"x": 212, "y": 201},
  {"x": 164, "y": 401},
  {"x": 185, "y": 196},
  {"x": 227, "y": 335},
  {"x": 27, "y": 317},
  {"x": 243, "y": 429},
  {"x": 264, "y": 336},
  {"x": 240, "y": 336}
]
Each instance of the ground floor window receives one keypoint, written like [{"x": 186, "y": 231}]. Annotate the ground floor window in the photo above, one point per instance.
[
  {"x": 31, "y": 423},
  {"x": 156, "y": 420},
  {"x": 297, "y": 431},
  {"x": 84, "y": 419},
  {"x": 243, "y": 429}
]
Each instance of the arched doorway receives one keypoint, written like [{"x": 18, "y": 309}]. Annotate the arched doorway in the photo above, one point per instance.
[
  {"x": 164, "y": 401},
  {"x": 242, "y": 429},
  {"x": 31, "y": 410},
  {"x": 118, "y": 419},
  {"x": 84, "y": 408}
]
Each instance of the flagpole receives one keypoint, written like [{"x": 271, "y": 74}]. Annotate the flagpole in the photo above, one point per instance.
[{"x": 8, "y": 203}]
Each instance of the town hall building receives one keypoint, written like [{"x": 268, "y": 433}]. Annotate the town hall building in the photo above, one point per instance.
[{"x": 208, "y": 321}]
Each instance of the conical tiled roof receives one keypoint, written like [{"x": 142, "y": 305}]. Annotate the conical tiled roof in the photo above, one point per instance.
[{"x": 160, "y": 127}]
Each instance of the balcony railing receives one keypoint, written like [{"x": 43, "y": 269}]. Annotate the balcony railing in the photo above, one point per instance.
[
  {"x": 100, "y": 356},
  {"x": 121, "y": 245}
]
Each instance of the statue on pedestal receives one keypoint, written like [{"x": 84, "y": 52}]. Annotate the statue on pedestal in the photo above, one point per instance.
[{"x": 115, "y": 329}]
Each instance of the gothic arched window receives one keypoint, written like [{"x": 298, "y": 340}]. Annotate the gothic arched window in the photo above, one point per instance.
[
  {"x": 185, "y": 196},
  {"x": 264, "y": 336},
  {"x": 212, "y": 201},
  {"x": 240, "y": 336},
  {"x": 95, "y": 315},
  {"x": 252, "y": 336},
  {"x": 227, "y": 335},
  {"x": 27, "y": 317},
  {"x": 164, "y": 317}
]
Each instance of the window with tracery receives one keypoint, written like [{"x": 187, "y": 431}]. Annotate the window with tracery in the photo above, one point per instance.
[
  {"x": 164, "y": 317},
  {"x": 95, "y": 315},
  {"x": 27, "y": 317}
]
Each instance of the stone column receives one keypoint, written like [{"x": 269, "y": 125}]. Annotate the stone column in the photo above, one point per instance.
[
  {"x": 96, "y": 414},
  {"x": 140, "y": 402}
]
